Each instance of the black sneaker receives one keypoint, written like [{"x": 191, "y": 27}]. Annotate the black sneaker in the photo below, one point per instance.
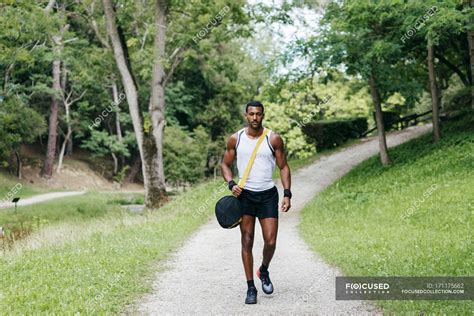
[
  {"x": 251, "y": 296},
  {"x": 267, "y": 285}
]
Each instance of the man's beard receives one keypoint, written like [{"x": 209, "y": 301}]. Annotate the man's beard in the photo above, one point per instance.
[{"x": 255, "y": 125}]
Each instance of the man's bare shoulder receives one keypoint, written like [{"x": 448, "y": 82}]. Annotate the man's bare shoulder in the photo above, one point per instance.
[
  {"x": 232, "y": 140},
  {"x": 275, "y": 140}
]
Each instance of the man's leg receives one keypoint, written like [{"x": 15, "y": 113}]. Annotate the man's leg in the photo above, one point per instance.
[
  {"x": 269, "y": 230},
  {"x": 247, "y": 230}
]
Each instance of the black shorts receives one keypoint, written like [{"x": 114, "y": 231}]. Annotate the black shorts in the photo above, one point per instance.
[{"x": 261, "y": 204}]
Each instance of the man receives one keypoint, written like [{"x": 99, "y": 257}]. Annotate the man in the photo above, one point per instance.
[{"x": 259, "y": 197}]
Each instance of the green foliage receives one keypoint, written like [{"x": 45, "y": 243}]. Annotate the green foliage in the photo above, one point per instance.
[
  {"x": 223, "y": 67},
  {"x": 18, "y": 124},
  {"x": 293, "y": 105},
  {"x": 390, "y": 39},
  {"x": 331, "y": 133},
  {"x": 368, "y": 32},
  {"x": 181, "y": 104},
  {"x": 277, "y": 118},
  {"x": 120, "y": 176},
  {"x": 442, "y": 20},
  {"x": 102, "y": 143},
  {"x": 208, "y": 88},
  {"x": 460, "y": 99},
  {"x": 184, "y": 156}
]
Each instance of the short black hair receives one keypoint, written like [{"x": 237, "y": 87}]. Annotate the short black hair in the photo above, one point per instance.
[{"x": 254, "y": 103}]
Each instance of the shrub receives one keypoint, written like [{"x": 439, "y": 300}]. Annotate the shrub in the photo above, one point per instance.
[
  {"x": 390, "y": 119},
  {"x": 332, "y": 133}
]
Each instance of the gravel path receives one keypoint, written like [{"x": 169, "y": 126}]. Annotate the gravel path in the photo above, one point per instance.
[
  {"x": 206, "y": 275},
  {"x": 41, "y": 198},
  {"x": 57, "y": 195}
]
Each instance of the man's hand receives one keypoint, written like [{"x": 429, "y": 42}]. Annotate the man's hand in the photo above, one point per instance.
[
  {"x": 285, "y": 204},
  {"x": 236, "y": 190}
]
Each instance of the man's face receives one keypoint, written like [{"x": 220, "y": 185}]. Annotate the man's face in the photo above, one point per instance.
[{"x": 254, "y": 116}]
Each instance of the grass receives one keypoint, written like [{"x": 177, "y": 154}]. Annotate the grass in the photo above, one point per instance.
[
  {"x": 22, "y": 222},
  {"x": 102, "y": 269},
  {"x": 367, "y": 225},
  {"x": 10, "y": 184}
]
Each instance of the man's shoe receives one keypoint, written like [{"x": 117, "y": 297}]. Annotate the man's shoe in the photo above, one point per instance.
[
  {"x": 251, "y": 296},
  {"x": 267, "y": 285}
]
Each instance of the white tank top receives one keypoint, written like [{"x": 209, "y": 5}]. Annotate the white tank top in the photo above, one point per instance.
[{"x": 260, "y": 176}]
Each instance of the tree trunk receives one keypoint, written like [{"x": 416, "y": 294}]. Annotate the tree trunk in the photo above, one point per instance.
[
  {"x": 53, "y": 122},
  {"x": 134, "y": 169},
  {"x": 6, "y": 78},
  {"x": 67, "y": 106},
  {"x": 66, "y": 139},
  {"x": 57, "y": 41},
  {"x": 470, "y": 39},
  {"x": 464, "y": 78},
  {"x": 434, "y": 94},
  {"x": 69, "y": 148},
  {"x": 154, "y": 141},
  {"x": 384, "y": 157},
  {"x": 118, "y": 126},
  {"x": 149, "y": 142},
  {"x": 117, "y": 113},
  {"x": 114, "y": 157},
  {"x": 63, "y": 149},
  {"x": 18, "y": 164},
  {"x": 67, "y": 102}
]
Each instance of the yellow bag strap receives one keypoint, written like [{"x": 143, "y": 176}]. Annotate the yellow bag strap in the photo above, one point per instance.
[{"x": 252, "y": 158}]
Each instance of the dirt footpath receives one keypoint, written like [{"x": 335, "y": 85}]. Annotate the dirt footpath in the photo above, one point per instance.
[
  {"x": 42, "y": 198},
  {"x": 206, "y": 275}
]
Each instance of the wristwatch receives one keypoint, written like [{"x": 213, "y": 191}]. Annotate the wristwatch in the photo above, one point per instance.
[
  {"x": 231, "y": 184},
  {"x": 287, "y": 193}
]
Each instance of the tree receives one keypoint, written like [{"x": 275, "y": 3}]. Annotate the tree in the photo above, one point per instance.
[
  {"x": 434, "y": 93},
  {"x": 149, "y": 129},
  {"x": 362, "y": 37},
  {"x": 67, "y": 100},
  {"x": 150, "y": 140},
  {"x": 202, "y": 72},
  {"x": 102, "y": 143},
  {"x": 438, "y": 37},
  {"x": 57, "y": 41},
  {"x": 16, "y": 130},
  {"x": 470, "y": 39}
]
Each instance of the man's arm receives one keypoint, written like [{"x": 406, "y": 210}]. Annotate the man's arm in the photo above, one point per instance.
[
  {"x": 226, "y": 165},
  {"x": 285, "y": 174}
]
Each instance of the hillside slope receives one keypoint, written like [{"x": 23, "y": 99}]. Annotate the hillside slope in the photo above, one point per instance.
[{"x": 410, "y": 219}]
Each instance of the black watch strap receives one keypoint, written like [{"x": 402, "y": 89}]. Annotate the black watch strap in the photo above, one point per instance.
[
  {"x": 287, "y": 193},
  {"x": 231, "y": 184}
]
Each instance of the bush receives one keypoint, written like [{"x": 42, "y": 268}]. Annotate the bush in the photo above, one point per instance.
[
  {"x": 459, "y": 100},
  {"x": 185, "y": 156},
  {"x": 332, "y": 133},
  {"x": 19, "y": 124},
  {"x": 390, "y": 119}
]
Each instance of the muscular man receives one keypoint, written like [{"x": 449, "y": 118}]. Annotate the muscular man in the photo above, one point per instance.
[{"x": 259, "y": 197}]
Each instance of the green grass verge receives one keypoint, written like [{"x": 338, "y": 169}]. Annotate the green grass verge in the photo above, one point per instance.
[
  {"x": 27, "y": 219},
  {"x": 11, "y": 186},
  {"x": 367, "y": 225},
  {"x": 104, "y": 271}
]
